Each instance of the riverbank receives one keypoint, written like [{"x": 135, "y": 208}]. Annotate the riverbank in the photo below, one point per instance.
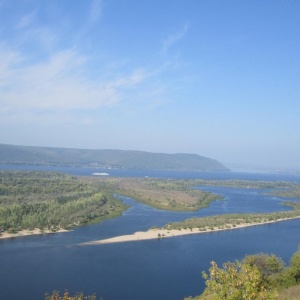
[
  {"x": 35, "y": 231},
  {"x": 165, "y": 233}
]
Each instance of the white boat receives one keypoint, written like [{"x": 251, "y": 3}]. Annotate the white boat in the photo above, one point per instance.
[{"x": 100, "y": 174}]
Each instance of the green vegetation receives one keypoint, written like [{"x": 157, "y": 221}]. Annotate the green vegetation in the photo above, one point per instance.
[
  {"x": 180, "y": 195},
  {"x": 246, "y": 183},
  {"x": 233, "y": 220},
  {"x": 277, "y": 188},
  {"x": 106, "y": 159},
  {"x": 51, "y": 201},
  {"x": 293, "y": 192},
  {"x": 256, "y": 277},
  {"x": 176, "y": 195},
  {"x": 78, "y": 296}
]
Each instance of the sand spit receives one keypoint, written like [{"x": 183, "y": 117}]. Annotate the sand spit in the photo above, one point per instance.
[
  {"x": 35, "y": 231},
  {"x": 165, "y": 233}
]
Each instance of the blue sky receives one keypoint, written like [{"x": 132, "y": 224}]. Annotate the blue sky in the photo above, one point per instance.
[{"x": 212, "y": 77}]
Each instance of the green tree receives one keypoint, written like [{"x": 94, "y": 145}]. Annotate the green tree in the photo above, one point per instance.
[
  {"x": 295, "y": 266},
  {"x": 270, "y": 266},
  {"x": 290, "y": 276},
  {"x": 236, "y": 281}
]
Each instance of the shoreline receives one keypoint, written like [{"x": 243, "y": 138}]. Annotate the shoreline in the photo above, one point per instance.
[
  {"x": 168, "y": 233},
  {"x": 35, "y": 231}
]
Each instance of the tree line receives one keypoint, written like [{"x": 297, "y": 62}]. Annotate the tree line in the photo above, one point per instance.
[{"x": 47, "y": 200}]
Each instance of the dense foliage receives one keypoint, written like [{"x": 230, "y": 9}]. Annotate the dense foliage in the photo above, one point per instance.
[
  {"x": 237, "y": 281},
  {"x": 256, "y": 277},
  {"x": 49, "y": 200}
]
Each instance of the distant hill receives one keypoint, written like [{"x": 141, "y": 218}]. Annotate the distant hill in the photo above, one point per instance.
[{"x": 125, "y": 159}]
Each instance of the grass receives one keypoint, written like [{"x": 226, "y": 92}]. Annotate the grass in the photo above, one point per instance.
[
  {"x": 175, "y": 195},
  {"x": 292, "y": 293}
]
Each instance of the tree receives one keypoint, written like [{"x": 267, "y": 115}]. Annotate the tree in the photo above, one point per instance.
[
  {"x": 270, "y": 266},
  {"x": 295, "y": 266},
  {"x": 236, "y": 281},
  {"x": 78, "y": 296},
  {"x": 290, "y": 276}
]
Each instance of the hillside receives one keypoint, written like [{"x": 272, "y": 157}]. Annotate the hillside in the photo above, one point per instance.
[{"x": 127, "y": 159}]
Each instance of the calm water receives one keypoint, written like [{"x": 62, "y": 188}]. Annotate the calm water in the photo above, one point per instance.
[{"x": 156, "y": 269}]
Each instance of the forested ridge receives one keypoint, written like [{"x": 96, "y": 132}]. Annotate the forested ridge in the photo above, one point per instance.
[
  {"x": 106, "y": 158},
  {"x": 46, "y": 200}
]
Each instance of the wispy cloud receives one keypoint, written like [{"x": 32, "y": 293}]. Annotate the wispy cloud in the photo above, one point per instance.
[
  {"x": 93, "y": 16},
  {"x": 26, "y": 20},
  {"x": 58, "y": 85},
  {"x": 95, "y": 11},
  {"x": 46, "y": 82},
  {"x": 174, "y": 38}
]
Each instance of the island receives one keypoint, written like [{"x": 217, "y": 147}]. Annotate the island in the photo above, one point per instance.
[
  {"x": 34, "y": 202},
  {"x": 203, "y": 225}
]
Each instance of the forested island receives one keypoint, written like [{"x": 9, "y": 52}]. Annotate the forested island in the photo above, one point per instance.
[
  {"x": 167, "y": 194},
  {"x": 51, "y": 201},
  {"x": 47, "y": 201}
]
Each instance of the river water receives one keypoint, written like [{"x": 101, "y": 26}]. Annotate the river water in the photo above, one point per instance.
[{"x": 166, "y": 269}]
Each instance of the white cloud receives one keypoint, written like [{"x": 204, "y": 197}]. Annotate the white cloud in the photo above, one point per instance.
[
  {"x": 41, "y": 81},
  {"x": 55, "y": 84},
  {"x": 26, "y": 20},
  {"x": 94, "y": 15},
  {"x": 174, "y": 38},
  {"x": 60, "y": 84},
  {"x": 95, "y": 11}
]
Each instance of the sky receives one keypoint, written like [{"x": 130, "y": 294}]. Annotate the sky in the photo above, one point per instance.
[{"x": 218, "y": 78}]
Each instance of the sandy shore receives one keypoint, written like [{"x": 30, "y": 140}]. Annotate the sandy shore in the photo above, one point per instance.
[
  {"x": 6, "y": 235},
  {"x": 165, "y": 233}
]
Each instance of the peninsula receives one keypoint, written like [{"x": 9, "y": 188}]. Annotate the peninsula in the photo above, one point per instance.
[{"x": 160, "y": 233}]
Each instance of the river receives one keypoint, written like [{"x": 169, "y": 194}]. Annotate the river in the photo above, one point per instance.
[{"x": 168, "y": 269}]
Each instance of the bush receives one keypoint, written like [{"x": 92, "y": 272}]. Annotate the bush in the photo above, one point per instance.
[
  {"x": 236, "y": 281},
  {"x": 78, "y": 296}
]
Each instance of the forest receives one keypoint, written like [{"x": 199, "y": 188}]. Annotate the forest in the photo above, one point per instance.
[{"x": 46, "y": 200}]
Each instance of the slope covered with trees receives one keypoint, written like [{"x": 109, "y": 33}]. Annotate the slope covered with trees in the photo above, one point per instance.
[{"x": 107, "y": 158}]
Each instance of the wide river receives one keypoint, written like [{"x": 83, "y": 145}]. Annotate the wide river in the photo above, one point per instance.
[{"x": 167, "y": 269}]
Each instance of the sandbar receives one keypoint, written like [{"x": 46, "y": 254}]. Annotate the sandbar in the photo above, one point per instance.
[
  {"x": 165, "y": 233},
  {"x": 35, "y": 231}
]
